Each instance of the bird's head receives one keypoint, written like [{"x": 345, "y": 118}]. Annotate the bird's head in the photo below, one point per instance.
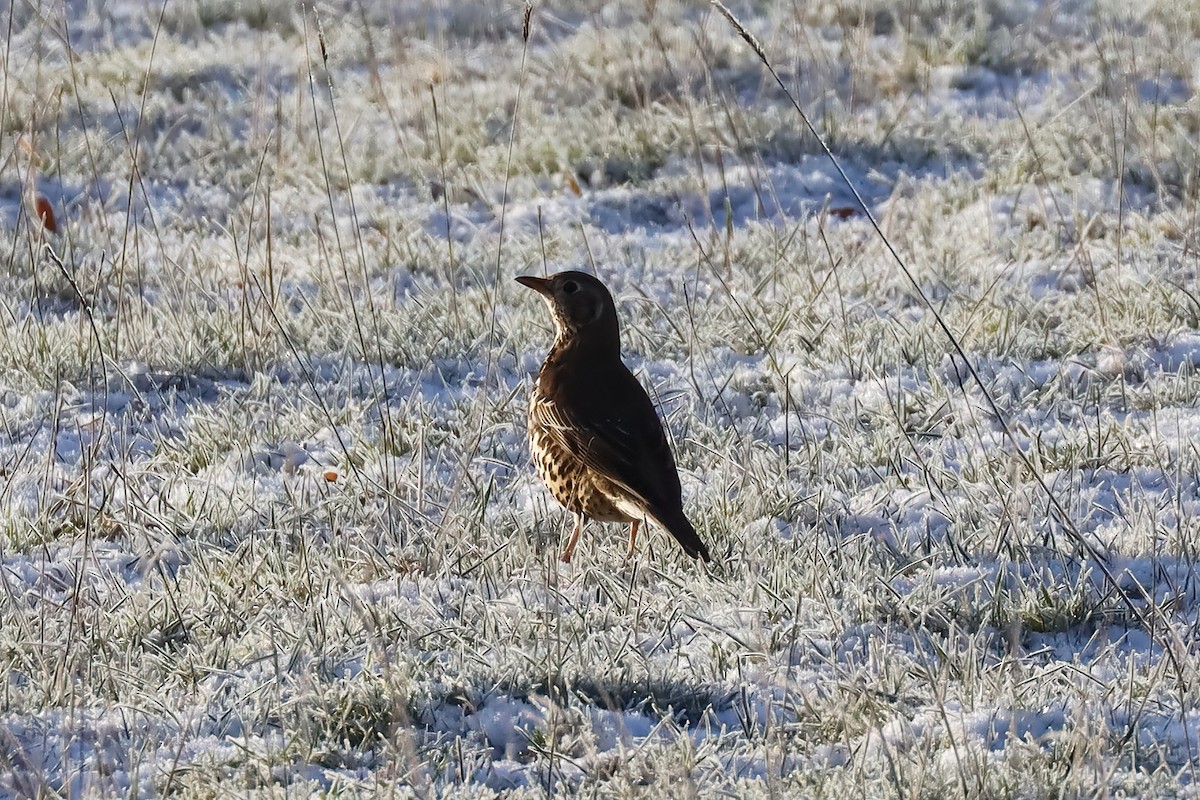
[{"x": 581, "y": 304}]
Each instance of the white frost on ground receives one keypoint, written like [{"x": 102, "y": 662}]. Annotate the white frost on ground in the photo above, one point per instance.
[{"x": 267, "y": 521}]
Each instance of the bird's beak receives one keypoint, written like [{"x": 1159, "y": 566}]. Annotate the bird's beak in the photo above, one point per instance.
[{"x": 539, "y": 285}]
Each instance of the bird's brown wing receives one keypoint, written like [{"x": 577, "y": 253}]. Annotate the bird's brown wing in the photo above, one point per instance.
[{"x": 614, "y": 430}]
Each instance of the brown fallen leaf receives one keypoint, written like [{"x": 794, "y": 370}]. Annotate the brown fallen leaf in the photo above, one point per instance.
[
  {"x": 45, "y": 213},
  {"x": 572, "y": 184}
]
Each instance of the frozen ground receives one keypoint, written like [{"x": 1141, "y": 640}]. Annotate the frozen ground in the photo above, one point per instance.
[{"x": 267, "y": 520}]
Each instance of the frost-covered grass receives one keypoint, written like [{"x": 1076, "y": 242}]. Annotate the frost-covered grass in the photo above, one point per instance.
[{"x": 267, "y": 520}]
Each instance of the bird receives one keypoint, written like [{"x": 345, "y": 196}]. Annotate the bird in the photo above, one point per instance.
[{"x": 595, "y": 436}]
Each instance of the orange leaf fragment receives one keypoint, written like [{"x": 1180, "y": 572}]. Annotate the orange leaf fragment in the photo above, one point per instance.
[
  {"x": 573, "y": 185},
  {"x": 45, "y": 212}
]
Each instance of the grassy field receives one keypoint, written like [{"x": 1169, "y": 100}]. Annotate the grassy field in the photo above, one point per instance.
[{"x": 268, "y": 522}]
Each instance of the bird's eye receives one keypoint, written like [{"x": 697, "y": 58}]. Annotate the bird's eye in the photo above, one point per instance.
[{"x": 570, "y": 287}]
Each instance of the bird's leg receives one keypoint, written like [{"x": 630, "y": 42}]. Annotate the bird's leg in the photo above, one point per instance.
[
  {"x": 633, "y": 529},
  {"x": 570, "y": 551}
]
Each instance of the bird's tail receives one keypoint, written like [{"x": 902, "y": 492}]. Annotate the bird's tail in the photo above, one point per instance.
[{"x": 678, "y": 526}]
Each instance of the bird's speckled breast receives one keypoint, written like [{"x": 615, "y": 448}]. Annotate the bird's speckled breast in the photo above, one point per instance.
[{"x": 573, "y": 485}]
